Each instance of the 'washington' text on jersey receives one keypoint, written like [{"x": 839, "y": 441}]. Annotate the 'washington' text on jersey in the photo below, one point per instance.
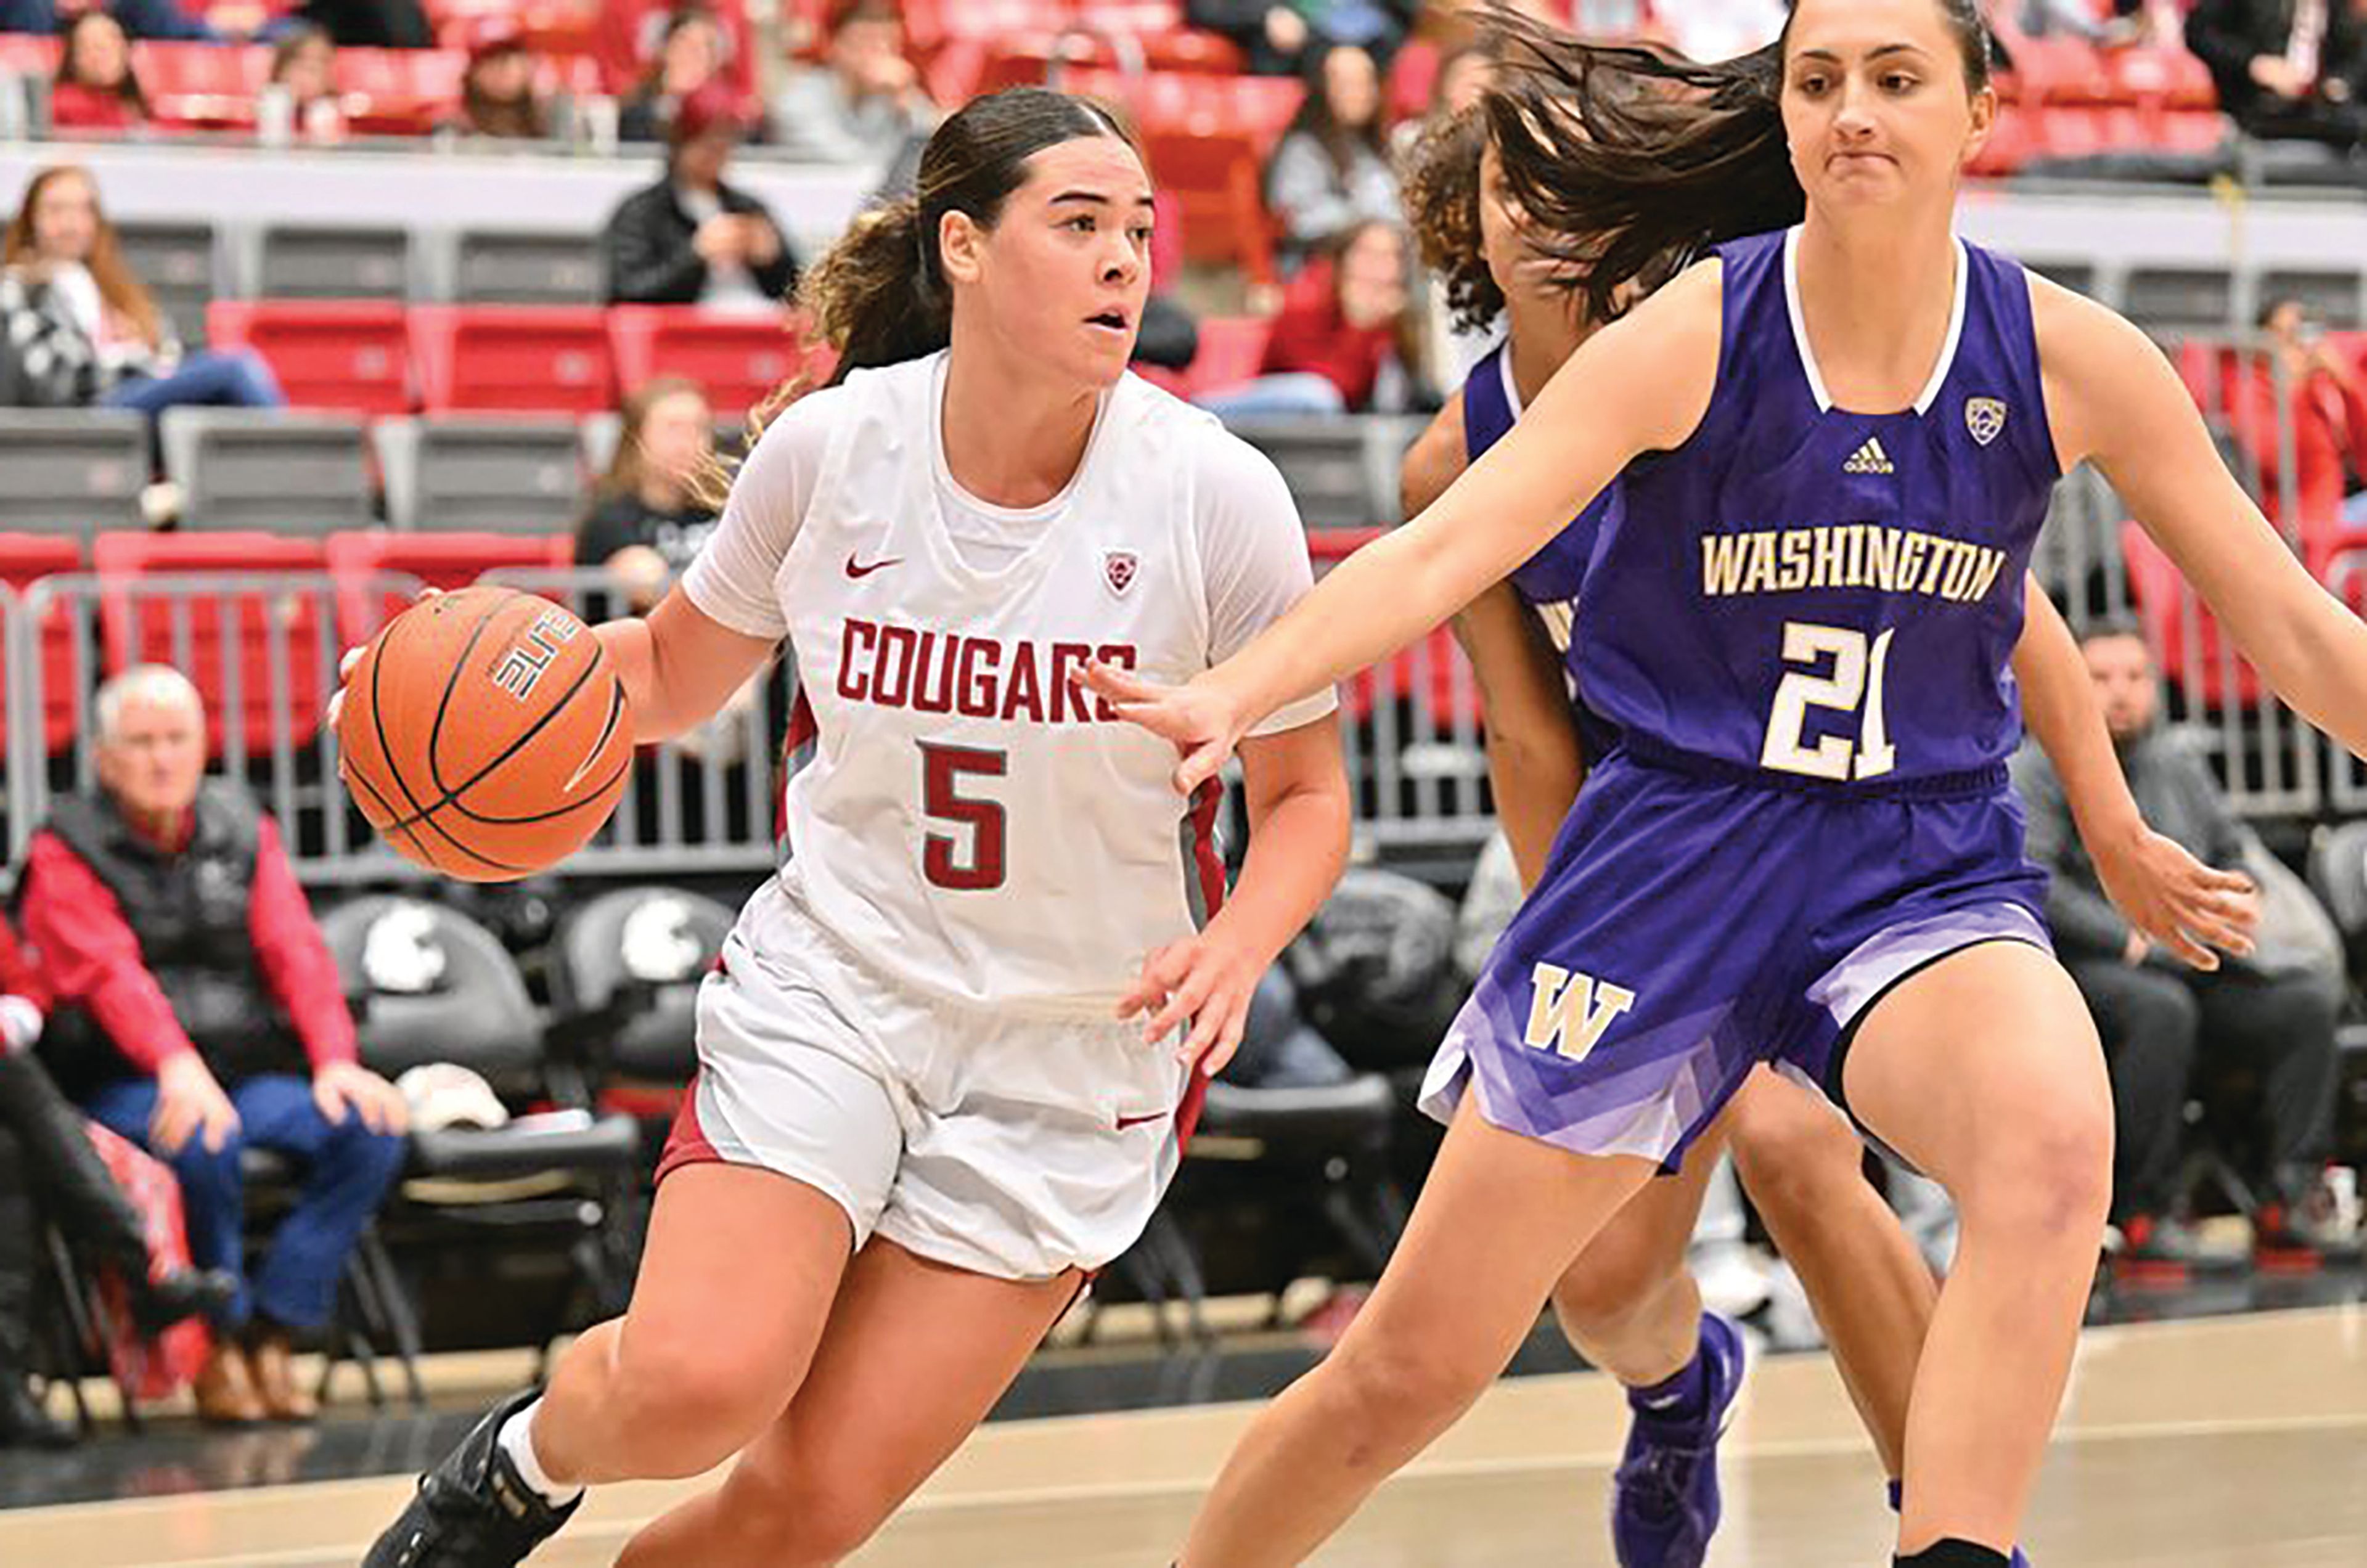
[
  {"x": 928, "y": 671},
  {"x": 1848, "y": 555}
]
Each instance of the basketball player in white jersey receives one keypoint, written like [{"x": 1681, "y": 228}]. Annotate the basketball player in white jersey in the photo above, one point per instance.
[{"x": 953, "y": 1047}]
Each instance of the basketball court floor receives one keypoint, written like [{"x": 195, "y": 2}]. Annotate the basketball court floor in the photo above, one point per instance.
[{"x": 2222, "y": 1443}]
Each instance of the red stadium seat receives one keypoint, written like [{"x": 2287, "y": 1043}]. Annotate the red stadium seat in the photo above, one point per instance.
[
  {"x": 1232, "y": 350},
  {"x": 1215, "y": 180},
  {"x": 399, "y": 92},
  {"x": 2171, "y": 78},
  {"x": 740, "y": 360},
  {"x": 438, "y": 561},
  {"x": 234, "y": 633},
  {"x": 351, "y": 355},
  {"x": 29, "y": 54},
  {"x": 524, "y": 359},
  {"x": 1327, "y": 547},
  {"x": 201, "y": 85},
  {"x": 25, "y": 560}
]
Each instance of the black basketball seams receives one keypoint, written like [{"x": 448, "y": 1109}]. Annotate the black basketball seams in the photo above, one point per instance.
[
  {"x": 596, "y": 797},
  {"x": 409, "y": 828}
]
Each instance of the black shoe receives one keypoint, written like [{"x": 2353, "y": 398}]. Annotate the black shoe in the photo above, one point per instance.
[
  {"x": 23, "y": 1422},
  {"x": 157, "y": 1304},
  {"x": 473, "y": 1510}
]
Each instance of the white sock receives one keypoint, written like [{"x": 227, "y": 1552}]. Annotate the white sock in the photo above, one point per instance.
[{"x": 516, "y": 1439}]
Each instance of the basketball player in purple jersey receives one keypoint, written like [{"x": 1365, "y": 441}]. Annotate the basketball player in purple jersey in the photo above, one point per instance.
[
  {"x": 1629, "y": 1303},
  {"x": 1834, "y": 444}
]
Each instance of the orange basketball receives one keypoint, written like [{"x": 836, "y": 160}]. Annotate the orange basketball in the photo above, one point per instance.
[{"x": 484, "y": 734}]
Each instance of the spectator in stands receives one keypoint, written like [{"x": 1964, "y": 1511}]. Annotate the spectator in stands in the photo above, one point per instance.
[
  {"x": 140, "y": 18},
  {"x": 1277, "y": 34},
  {"x": 304, "y": 73},
  {"x": 2325, "y": 405},
  {"x": 84, "y": 332},
  {"x": 497, "y": 94},
  {"x": 96, "y": 89},
  {"x": 864, "y": 101},
  {"x": 372, "y": 24},
  {"x": 692, "y": 239},
  {"x": 2269, "y": 1015},
  {"x": 49, "y": 1170},
  {"x": 2287, "y": 68},
  {"x": 688, "y": 62},
  {"x": 197, "y": 1011},
  {"x": 1331, "y": 170},
  {"x": 1350, "y": 336},
  {"x": 647, "y": 521}
]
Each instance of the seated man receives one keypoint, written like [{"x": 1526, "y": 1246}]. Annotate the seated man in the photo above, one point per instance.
[
  {"x": 864, "y": 101},
  {"x": 197, "y": 1010},
  {"x": 49, "y": 1169},
  {"x": 2270, "y": 1014}
]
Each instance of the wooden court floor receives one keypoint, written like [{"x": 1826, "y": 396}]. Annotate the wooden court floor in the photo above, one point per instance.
[{"x": 2221, "y": 1443}]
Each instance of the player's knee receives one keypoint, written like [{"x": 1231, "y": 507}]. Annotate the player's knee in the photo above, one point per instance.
[
  {"x": 1401, "y": 1387},
  {"x": 801, "y": 1514},
  {"x": 1613, "y": 1284},
  {"x": 2050, "y": 1174},
  {"x": 1794, "y": 1161},
  {"x": 689, "y": 1406}
]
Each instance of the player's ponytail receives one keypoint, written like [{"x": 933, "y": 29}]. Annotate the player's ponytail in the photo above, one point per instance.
[
  {"x": 878, "y": 297},
  {"x": 1625, "y": 157}
]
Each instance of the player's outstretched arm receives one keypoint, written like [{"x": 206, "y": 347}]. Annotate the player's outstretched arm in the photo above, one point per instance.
[
  {"x": 2113, "y": 397},
  {"x": 679, "y": 666},
  {"x": 2176, "y": 901},
  {"x": 1534, "y": 763},
  {"x": 1638, "y": 386}
]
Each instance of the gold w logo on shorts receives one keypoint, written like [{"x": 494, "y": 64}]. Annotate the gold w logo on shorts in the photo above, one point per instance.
[{"x": 1569, "y": 1011}]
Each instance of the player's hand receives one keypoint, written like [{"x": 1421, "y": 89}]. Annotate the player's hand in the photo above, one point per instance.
[
  {"x": 1205, "y": 981},
  {"x": 343, "y": 1086},
  {"x": 1199, "y": 718},
  {"x": 2177, "y": 903},
  {"x": 190, "y": 1102}
]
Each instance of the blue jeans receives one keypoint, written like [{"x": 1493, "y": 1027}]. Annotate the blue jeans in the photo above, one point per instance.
[
  {"x": 347, "y": 1169},
  {"x": 231, "y": 378}
]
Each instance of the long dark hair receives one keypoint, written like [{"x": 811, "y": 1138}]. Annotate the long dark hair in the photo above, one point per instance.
[
  {"x": 1340, "y": 142},
  {"x": 1443, "y": 191},
  {"x": 129, "y": 90},
  {"x": 117, "y": 284},
  {"x": 1625, "y": 156}
]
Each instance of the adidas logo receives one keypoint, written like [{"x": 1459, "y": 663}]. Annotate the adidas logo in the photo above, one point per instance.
[{"x": 1869, "y": 458}]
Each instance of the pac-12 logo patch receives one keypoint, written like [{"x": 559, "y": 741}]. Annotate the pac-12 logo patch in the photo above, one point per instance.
[
  {"x": 1985, "y": 417},
  {"x": 1119, "y": 569}
]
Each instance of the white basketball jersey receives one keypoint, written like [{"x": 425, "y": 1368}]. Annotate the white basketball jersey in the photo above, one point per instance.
[{"x": 956, "y": 812}]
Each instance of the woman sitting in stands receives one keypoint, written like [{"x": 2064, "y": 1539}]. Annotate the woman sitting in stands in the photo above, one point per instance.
[
  {"x": 82, "y": 331},
  {"x": 648, "y": 520},
  {"x": 96, "y": 89}
]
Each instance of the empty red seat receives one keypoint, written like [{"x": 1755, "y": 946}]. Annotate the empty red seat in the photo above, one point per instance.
[
  {"x": 1215, "y": 181},
  {"x": 527, "y": 359},
  {"x": 201, "y": 85},
  {"x": 351, "y": 355},
  {"x": 360, "y": 560},
  {"x": 29, "y": 54},
  {"x": 739, "y": 360},
  {"x": 256, "y": 640},
  {"x": 25, "y": 560}
]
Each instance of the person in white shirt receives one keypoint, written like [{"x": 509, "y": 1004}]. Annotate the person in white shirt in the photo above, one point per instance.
[{"x": 952, "y": 1050}]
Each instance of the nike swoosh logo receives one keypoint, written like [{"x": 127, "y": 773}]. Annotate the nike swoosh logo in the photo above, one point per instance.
[
  {"x": 1126, "y": 1121},
  {"x": 860, "y": 571}
]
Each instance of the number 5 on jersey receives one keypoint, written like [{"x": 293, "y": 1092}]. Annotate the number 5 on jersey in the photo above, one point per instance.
[
  {"x": 942, "y": 860},
  {"x": 1850, "y": 683}
]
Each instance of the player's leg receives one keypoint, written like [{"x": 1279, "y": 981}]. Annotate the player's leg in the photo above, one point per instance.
[
  {"x": 1629, "y": 1305},
  {"x": 1498, "y": 1220},
  {"x": 1872, "y": 1295},
  {"x": 915, "y": 1354},
  {"x": 1983, "y": 1068}
]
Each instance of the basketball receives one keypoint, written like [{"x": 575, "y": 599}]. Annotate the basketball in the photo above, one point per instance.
[{"x": 484, "y": 735}]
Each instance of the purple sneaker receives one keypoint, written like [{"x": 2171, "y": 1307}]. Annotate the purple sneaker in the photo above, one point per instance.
[{"x": 1665, "y": 1503}]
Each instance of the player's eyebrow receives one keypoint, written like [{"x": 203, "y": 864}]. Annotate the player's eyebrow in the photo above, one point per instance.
[
  {"x": 1828, "y": 57},
  {"x": 1095, "y": 198}
]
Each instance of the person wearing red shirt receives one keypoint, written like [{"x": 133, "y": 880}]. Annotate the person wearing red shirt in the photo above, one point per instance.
[
  {"x": 96, "y": 89},
  {"x": 197, "y": 1011},
  {"x": 2326, "y": 401},
  {"x": 1348, "y": 337}
]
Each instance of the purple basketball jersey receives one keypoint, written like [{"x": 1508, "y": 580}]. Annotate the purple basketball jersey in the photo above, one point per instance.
[{"x": 1808, "y": 594}]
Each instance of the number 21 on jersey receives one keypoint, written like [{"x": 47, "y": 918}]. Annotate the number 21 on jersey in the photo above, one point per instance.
[{"x": 1845, "y": 672}]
